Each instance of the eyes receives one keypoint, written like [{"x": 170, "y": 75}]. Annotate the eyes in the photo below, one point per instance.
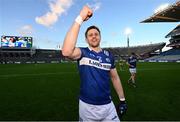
[{"x": 93, "y": 34}]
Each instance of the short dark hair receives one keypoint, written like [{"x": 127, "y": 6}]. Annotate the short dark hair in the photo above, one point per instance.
[{"x": 92, "y": 27}]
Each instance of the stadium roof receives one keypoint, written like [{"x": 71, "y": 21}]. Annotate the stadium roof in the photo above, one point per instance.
[
  {"x": 174, "y": 32},
  {"x": 170, "y": 14}
]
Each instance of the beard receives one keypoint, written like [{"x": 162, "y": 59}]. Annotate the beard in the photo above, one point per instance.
[{"x": 95, "y": 45}]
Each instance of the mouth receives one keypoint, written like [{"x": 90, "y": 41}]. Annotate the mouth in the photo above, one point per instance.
[{"x": 94, "y": 40}]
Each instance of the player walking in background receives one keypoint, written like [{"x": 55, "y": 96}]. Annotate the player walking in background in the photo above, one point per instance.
[
  {"x": 132, "y": 68},
  {"x": 96, "y": 68}
]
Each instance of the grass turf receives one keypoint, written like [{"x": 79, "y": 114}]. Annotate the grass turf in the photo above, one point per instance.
[{"x": 50, "y": 92}]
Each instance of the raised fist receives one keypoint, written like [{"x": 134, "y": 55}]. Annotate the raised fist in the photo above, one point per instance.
[{"x": 86, "y": 13}]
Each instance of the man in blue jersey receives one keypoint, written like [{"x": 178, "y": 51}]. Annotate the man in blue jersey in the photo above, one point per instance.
[
  {"x": 96, "y": 68},
  {"x": 132, "y": 68}
]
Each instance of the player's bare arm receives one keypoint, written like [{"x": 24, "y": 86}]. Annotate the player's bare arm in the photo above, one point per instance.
[
  {"x": 128, "y": 64},
  {"x": 117, "y": 83},
  {"x": 69, "y": 48},
  {"x": 122, "y": 106}
]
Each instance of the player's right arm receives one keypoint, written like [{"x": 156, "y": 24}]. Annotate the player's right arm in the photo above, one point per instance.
[
  {"x": 128, "y": 63},
  {"x": 69, "y": 48}
]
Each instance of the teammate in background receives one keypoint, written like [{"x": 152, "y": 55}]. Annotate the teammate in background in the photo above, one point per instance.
[
  {"x": 132, "y": 68},
  {"x": 96, "y": 68}
]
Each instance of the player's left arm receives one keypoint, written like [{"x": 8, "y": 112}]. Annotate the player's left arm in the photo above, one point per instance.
[
  {"x": 122, "y": 106},
  {"x": 117, "y": 83}
]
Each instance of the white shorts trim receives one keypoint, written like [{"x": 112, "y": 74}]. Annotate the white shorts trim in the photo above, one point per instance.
[
  {"x": 132, "y": 70},
  {"x": 89, "y": 112}
]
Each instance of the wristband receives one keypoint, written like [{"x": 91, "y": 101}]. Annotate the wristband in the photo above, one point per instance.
[
  {"x": 122, "y": 99},
  {"x": 79, "y": 20}
]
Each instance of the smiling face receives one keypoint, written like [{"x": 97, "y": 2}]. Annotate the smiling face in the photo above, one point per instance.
[{"x": 93, "y": 37}]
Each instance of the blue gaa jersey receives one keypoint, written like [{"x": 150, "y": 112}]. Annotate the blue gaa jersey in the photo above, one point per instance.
[
  {"x": 132, "y": 61},
  {"x": 94, "y": 69}
]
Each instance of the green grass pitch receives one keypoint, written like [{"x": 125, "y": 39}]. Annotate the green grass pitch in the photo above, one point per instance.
[{"x": 50, "y": 92}]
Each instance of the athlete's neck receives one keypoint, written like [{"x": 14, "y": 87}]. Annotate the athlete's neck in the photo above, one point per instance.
[{"x": 96, "y": 49}]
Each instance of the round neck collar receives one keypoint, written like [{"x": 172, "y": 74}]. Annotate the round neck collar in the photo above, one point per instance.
[{"x": 94, "y": 50}]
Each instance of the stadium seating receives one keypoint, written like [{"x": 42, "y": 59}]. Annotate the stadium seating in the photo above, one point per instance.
[
  {"x": 143, "y": 50},
  {"x": 14, "y": 55},
  {"x": 172, "y": 55}
]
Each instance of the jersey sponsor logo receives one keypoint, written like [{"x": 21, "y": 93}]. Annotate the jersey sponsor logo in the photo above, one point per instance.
[
  {"x": 106, "y": 53},
  {"x": 99, "y": 58},
  {"x": 108, "y": 60},
  {"x": 92, "y": 55},
  {"x": 94, "y": 63}
]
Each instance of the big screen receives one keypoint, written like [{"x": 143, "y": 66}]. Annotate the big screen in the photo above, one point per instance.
[{"x": 16, "y": 41}]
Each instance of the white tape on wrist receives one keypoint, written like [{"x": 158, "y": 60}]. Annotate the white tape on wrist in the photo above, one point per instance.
[
  {"x": 79, "y": 20},
  {"x": 122, "y": 99}
]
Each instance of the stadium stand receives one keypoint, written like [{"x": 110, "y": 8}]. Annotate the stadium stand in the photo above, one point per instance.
[
  {"x": 30, "y": 55},
  {"x": 15, "y": 55},
  {"x": 145, "y": 51},
  {"x": 47, "y": 56},
  {"x": 172, "y": 55},
  {"x": 171, "y": 52},
  {"x": 170, "y": 14},
  {"x": 174, "y": 37},
  {"x": 20, "y": 55}
]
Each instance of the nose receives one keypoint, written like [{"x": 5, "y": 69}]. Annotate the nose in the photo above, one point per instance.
[{"x": 94, "y": 35}]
